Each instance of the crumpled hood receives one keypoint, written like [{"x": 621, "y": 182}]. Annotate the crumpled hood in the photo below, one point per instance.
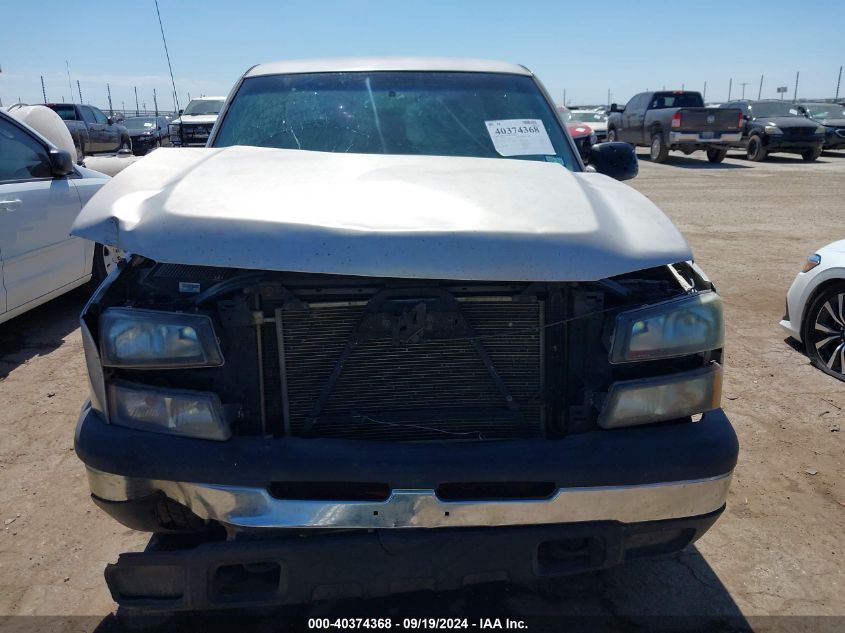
[
  {"x": 192, "y": 119},
  {"x": 373, "y": 215}
]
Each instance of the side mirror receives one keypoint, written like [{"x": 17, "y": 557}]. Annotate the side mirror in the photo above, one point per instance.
[
  {"x": 180, "y": 112},
  {"x": 614, "y": 107},
  {"x": 110, "y": 120},
  {"x": 617, "y": 160},
  {"x": 61, "y": 163}
]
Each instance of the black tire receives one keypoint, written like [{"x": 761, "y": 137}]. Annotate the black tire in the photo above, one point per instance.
[
  {"x": 80, "y": 151},
  {"x": 755, "y": 150},
  {"x": 125, "y": 143},
  {"x": 823, "y": 331},
  {"x": 811, "y": 154},
  {"x": 715, "y": 155},
  {"x": 611, "y": 135},
  {"x": 658, "y": 150}
]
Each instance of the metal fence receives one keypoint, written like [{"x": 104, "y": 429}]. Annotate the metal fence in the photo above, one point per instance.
[{"x": 117, "y": 113}]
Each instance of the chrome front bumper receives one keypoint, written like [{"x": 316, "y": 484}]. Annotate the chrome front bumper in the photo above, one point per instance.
[
  {"x": 694, "y": 137},
  {"x": 253, "y": 507}
]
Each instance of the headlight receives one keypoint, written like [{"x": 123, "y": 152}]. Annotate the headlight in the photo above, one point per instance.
[
  {"x": 821, "y": 130},
  {"x": 648, "y": 400},
  {"x": 812, "y": 261},
  {"x": 772, "y": 129},
  {"x": 678, "y": 327},
  {"x": 148, "y": 339},
  {"x": 171, "y": 411},
  {"x": 173, "y": 129}
]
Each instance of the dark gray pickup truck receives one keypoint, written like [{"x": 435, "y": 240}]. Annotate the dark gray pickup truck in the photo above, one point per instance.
[
  {"x": 675, "y": 120},
  {"x": 92, "y": 131}
]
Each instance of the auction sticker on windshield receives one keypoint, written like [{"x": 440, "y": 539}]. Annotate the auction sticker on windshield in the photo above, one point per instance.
[{"x": 520, "y": 137}]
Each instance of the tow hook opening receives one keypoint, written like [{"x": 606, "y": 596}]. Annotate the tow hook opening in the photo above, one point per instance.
[
  {"x": 257, "y": 580},
  {"x": 564, "y": 556}
]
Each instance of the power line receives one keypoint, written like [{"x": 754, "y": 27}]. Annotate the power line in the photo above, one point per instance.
[{"x": 167, "y": 54}]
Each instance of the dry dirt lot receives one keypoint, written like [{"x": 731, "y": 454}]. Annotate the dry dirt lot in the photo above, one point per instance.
[{"x": 777, "y": 550}]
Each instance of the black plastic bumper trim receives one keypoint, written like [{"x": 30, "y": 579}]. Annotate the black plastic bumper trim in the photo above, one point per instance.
[
  {"x": 633, "y": 456},
  {"x": 232, "y": 574}
]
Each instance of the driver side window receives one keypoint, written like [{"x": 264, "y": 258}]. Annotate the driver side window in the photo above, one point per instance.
[
  {"x": 21, "y": 156},
  {"x": 99, "y": 117}
]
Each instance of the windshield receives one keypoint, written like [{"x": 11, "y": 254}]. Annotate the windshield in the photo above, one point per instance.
[
  {"x": 204, "y": 106},
  {"x": 486, "y": 115},
  {"x": 826, "y": 111},
  {"x": 772, "y": 108},
  {"x": 589, "y": 117},
  {"x": 140, "y": 123}
]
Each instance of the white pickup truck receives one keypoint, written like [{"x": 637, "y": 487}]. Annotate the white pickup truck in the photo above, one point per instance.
[{"x": 387, "y": 333}]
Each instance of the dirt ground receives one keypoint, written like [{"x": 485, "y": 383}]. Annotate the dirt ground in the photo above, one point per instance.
[{"x": 777, "y": 550}]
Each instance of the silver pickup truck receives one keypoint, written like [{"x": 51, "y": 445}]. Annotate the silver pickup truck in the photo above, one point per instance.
[
  {"x": 675, "y": 120},
  {"x": 388, "y": 333}
]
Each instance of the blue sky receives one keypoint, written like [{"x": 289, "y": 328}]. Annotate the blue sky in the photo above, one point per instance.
[{"x": 585, "y": 47}]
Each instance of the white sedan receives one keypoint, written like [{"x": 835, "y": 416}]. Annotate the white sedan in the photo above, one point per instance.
[
  {"x": 815, "y": 309},
  {"x": 41, "y": 193}
]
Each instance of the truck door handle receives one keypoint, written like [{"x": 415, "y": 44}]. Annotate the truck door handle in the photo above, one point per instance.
[{"x": 10, "y": 205}]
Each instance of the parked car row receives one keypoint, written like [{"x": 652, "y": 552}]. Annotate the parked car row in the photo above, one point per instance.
[{"x": 665, "y": 121}]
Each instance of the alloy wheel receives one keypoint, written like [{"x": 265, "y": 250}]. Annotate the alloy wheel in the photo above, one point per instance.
[
  {"x": 656, "y": 142},
  {"x": 828, "y": 334}
]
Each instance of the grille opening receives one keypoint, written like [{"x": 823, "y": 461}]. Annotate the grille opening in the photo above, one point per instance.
[
  {"x": 231, "y": 582},
  {"x": 397, "y": 390},
  {"x": 329, "y": 490},
  {"x": 564, "y": 556},
  {"x": 492, "y": 490}
]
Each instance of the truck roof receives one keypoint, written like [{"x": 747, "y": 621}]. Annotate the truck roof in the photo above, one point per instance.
[{"x": 352, "y": 64}]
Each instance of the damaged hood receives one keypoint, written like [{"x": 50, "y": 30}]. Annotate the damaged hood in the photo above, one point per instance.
[{"x": 380, "y": 216}]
